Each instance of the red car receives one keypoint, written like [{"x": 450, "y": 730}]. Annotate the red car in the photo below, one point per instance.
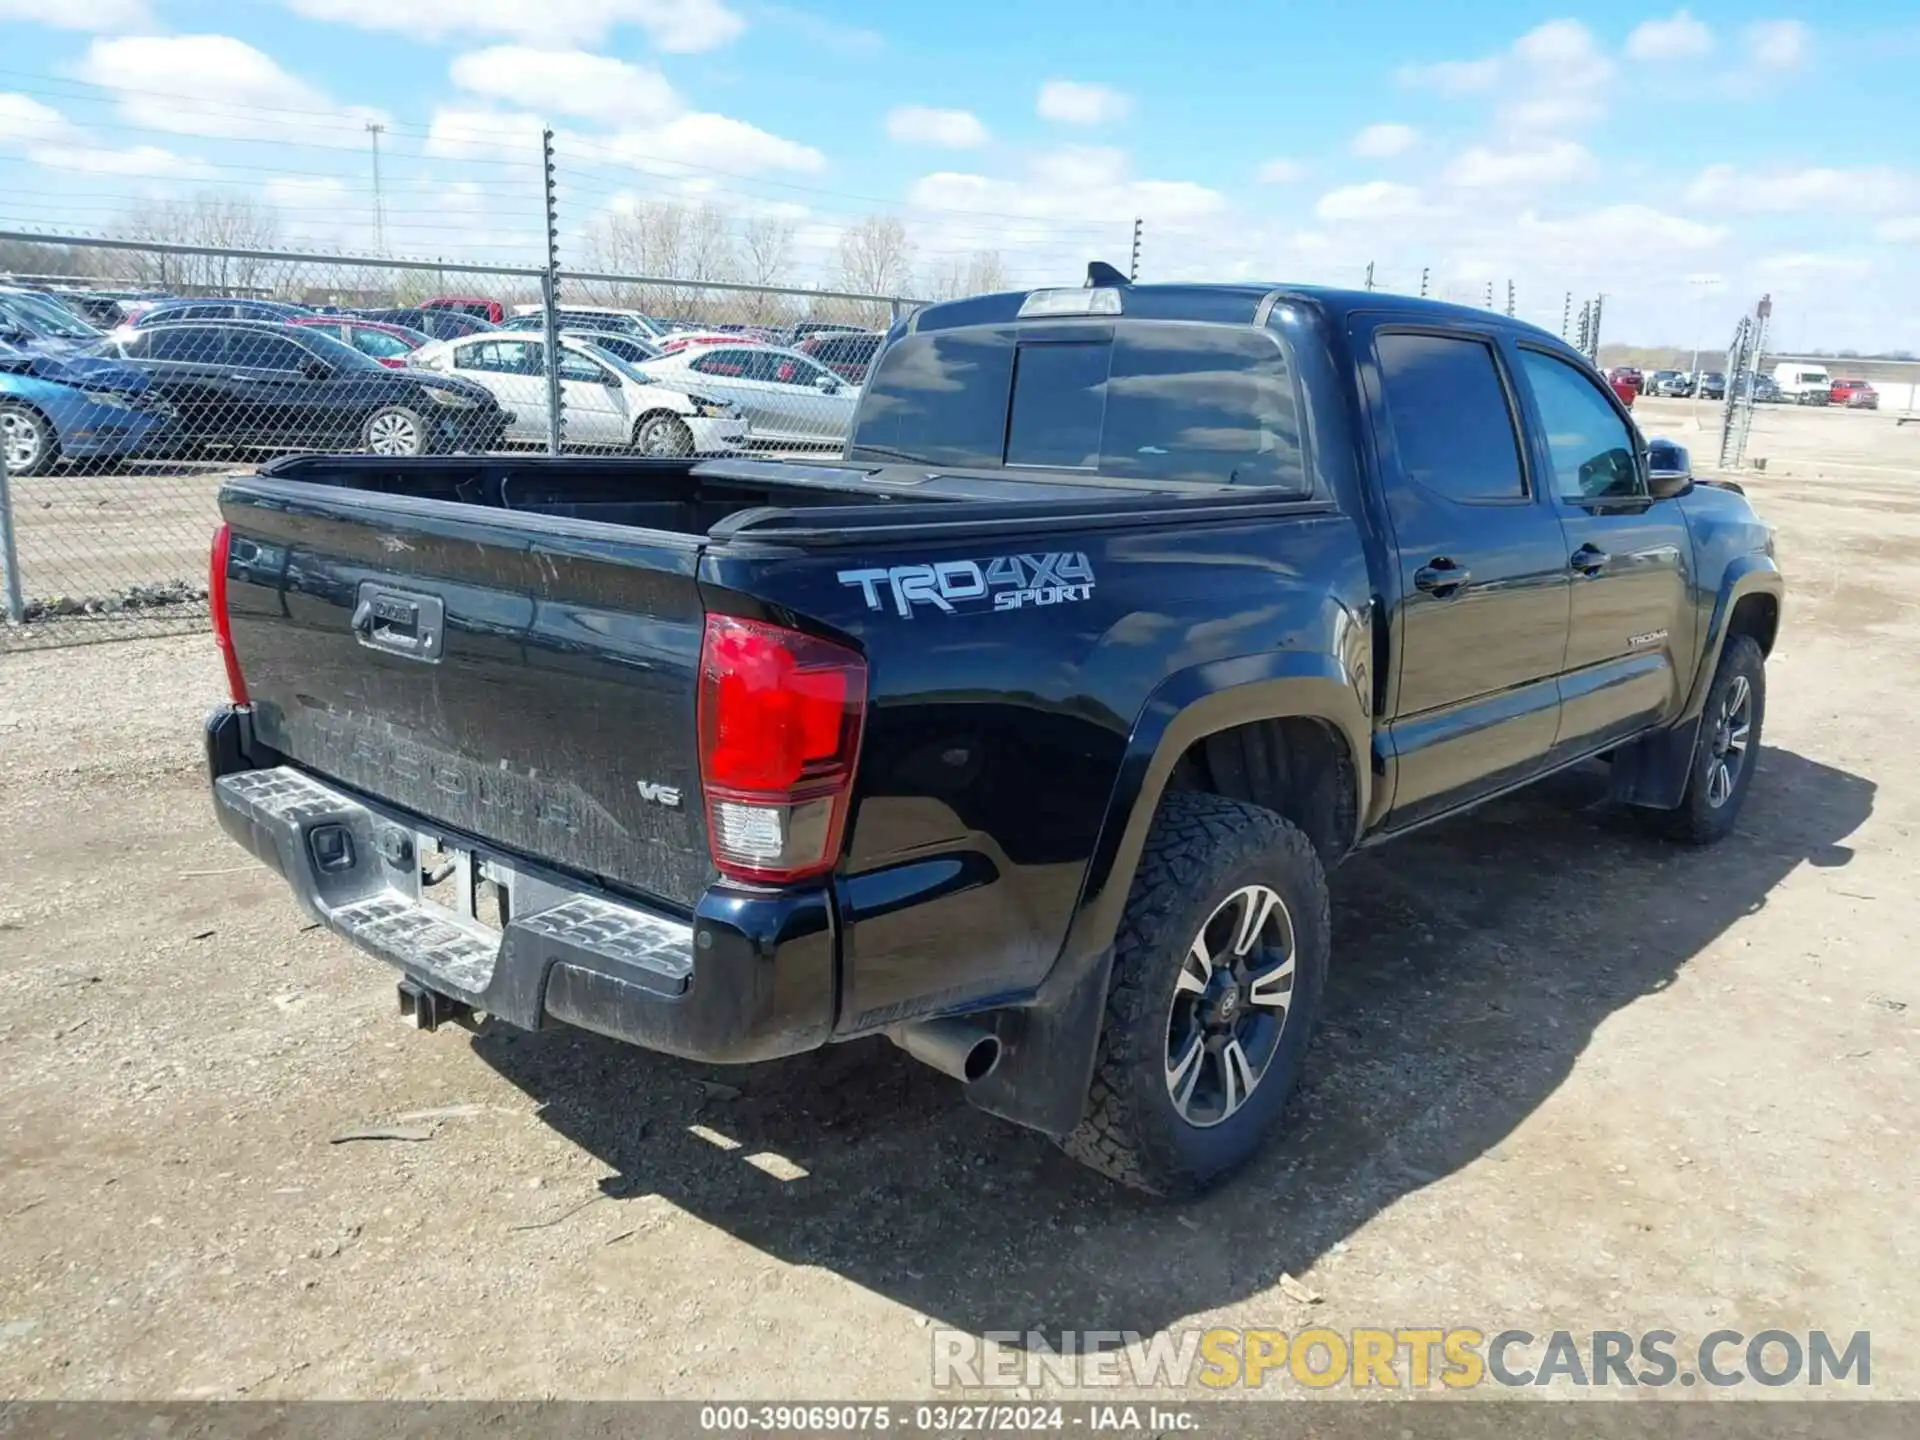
[
  {"x": 1626, "y": 382},
  {"x": 478, "y": 306},
  {"x": 1854, "y": 394},
  {"x": 679, "y": 340},
  {"x": 389, "y": 344},
  {"x": 846, "y": 354}
]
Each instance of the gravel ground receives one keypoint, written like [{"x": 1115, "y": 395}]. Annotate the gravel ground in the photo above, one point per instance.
[{"x": 1567, "y": 1078}]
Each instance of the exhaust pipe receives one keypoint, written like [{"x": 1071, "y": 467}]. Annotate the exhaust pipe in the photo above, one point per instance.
[{"x": 961, "y": 1048}]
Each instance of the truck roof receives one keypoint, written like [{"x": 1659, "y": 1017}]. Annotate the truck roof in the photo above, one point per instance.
[{"x": 1240, "y": 303}]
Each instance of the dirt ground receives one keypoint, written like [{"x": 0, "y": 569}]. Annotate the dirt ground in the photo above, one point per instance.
[{"x": 1566, "y": 1078}]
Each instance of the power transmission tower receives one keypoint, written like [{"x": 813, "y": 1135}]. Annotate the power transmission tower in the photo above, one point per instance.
[
  {"x": 1424, "y": 272},
  {"x": 1369, "y": 274},
  {"x": 1133, "y": 266},
  {"x": 1509, "y": 299},
  {"x": 374, "y": 131}
]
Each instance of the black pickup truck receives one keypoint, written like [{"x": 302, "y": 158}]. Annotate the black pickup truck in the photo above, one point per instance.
[{"x": 1024, "y": 732}]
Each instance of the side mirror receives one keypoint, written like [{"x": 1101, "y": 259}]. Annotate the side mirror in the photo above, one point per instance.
[
  {"x": 1665, "y": 484},
  {"x": 827, "y": 385}
]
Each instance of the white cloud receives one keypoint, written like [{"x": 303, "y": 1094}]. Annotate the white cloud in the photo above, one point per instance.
[
  {"x": 1554, "y": 76},
  {"x": 79, "y": 14},
  {"x": 25, "y": 120},
  {"x": 236, "y": 90},
  {"x": 1811, "y": 262},
  {"x": 1452, "y": 77},
  {"x": 1377, "y": 142},
  {"x": 1552, "y": 163},
  {"x": 1281, "y": 172},
  {"x": 1679, "y": 37},
  {"x": 1565, "y": 78},
  {"x": 308, "y": 192},
  {"x": 1374, "y": 200},
  {"x": 1906, "y": 228},
  {"x": 678, "y": 26},
  {"x": 1863, "y": 189},
  {"x": 1080, "y": 185},
  {"x": 461, "y": 134},
  {"x": 1778, "y": 44},
  {"x": 568, "y": 82},
  {"x": 949, "y": 129},
  {"x": 148, "y": 162},
  {"x": 1071, "y": 102},
  {"x": 708, "y": 142},
  {"x": 1600, "y": 237}
]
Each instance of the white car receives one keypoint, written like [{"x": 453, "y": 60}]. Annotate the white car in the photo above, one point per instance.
[
  {"x": 789, "y": 399},
  {"x": 606, "y": 402}
]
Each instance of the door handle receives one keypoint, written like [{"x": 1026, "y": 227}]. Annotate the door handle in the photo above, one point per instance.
[
  {"x": 1440, "y": 578},
  {"x": 1589, "y": 559}
]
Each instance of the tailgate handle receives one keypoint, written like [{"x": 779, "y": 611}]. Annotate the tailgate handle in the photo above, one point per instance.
[{"x": 400, "y": 622}]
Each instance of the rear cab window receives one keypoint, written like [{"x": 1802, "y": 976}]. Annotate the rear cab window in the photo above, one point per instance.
[{"x": 1153, "y": 401}]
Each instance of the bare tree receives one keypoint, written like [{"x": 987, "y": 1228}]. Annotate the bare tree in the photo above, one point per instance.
[
  {"x": 979, "y": 274},
  {"x": 767, "y": 256},
  {"x": 211, "y": 218},
  {"x": 876, "y": 258}
]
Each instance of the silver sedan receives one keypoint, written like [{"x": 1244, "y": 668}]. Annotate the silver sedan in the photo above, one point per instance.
[{"x": 788, "y": 398}]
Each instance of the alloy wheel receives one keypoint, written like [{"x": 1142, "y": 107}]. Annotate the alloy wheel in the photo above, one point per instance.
[
  {"x": 1732, "y": 724},
  {"x": 22, "y": 438},
  {"x": 1230, "y": 1005},
  {"x": 393, "y": 434}
]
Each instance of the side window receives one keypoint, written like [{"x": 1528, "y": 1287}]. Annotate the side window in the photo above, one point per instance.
[
  {"x": 574, "y": 366},
  {"x": 733, "y": 364},
  {"x": 249, "y": 350},
  {"x": 185, "y": 344},
  {"x": 1451, "y": 422},
  {"x": 376, "y": 343},
  {"x": 1059, "y": 404},
  {"x": 941, "y": 398},
  {"x": 475, "y": 357},
  {"x": 1200, "y": 404},
  {"x": 1591, "y": 448}
]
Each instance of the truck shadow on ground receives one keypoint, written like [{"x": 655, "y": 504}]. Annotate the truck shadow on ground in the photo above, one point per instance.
[{"x": 1472, "y": 964}]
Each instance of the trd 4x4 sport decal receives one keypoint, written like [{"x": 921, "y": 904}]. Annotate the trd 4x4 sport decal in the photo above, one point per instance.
[{"x": 1014, "y": 582}]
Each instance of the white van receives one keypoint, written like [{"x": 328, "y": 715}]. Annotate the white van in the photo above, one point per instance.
[{"x": 1801, "y": 383}]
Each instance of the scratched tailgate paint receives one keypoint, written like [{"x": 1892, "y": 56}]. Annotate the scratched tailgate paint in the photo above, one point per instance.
[{"x": 557, "y": 719}]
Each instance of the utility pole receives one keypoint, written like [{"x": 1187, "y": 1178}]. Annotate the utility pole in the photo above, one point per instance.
[
  {"x": 550, "y": 296},
  {"x": 1424, "y": 272},
  {"x": 1489, "y": 294},
  {"x": 374, "y": 131},
  {"x": 1566, "y": 314},
  {"x": 1369, "y": 275},
  {"x": 1133, "y": 266},
  {"x": 1593, "y": 336},
  {"x": 1509, "y": 299}
]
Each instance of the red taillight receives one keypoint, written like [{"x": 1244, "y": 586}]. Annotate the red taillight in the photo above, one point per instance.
[
  {"x": 779, "y": 715},
  {"x": 217, "y": 603}
]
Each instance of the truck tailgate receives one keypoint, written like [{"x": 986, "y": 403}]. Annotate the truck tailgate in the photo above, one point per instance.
[{"x": 525, "y": 680}]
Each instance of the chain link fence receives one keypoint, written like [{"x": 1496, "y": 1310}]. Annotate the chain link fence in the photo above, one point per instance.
[{"x": 125, "y": 401}]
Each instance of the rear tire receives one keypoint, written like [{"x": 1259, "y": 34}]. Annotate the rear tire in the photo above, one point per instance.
[
  {"x": 1223, "y": 946},
  {"x": 29, "y": 441},
  {"x": 394, "y": 430},
  {"x": 663, "y": 436},
  {"x": 1725, "y": 753}
]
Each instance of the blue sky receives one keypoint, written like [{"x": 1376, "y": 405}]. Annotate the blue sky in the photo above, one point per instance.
[{"x": 1681, "y": 162}]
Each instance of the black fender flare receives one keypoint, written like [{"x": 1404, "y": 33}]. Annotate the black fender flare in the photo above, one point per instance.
[
  {"x": 1653, "y": 771},
  {"x": 1745, "y": 575},
  {"x": 1048, "y": 1046}
]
